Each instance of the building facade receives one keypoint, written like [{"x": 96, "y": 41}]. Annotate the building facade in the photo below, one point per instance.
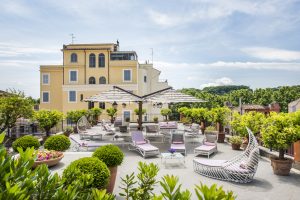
[
  {"x": 294, "y": 106},
  {"x": 89, "y": 69}
]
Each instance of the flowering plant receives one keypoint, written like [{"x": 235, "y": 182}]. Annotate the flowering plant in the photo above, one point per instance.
[
  {"x": 172, "y": 150},
  {"x": 43, "y": 155}
]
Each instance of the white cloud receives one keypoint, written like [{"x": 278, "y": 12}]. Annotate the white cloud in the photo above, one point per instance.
[
  {"x": 11, "y": 50},
  {"x": 272, "y": 53},
  {"x": 218, "y": 82},
  {"x": 210, "y": 10}
]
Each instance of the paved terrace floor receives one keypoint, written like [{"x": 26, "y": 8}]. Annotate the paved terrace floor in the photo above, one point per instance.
[{"x": 266, "y": 185}]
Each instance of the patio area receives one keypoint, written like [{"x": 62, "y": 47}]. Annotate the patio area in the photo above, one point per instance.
[{"x": 265, "y": 185}]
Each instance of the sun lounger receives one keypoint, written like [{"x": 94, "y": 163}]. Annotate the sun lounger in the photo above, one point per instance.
[
  {"x": 177, "y": 143},
  {"x": 80, "y": 144},
  {"x": 142, "y": 145},
  {"x": 209, "y": 146},
  {"x": 240, "y": 169}
]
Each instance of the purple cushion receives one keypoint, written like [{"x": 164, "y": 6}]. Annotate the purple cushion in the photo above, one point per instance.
[
  {"x": 140, "y": 142},
  {"x": 209, "y": 144}
]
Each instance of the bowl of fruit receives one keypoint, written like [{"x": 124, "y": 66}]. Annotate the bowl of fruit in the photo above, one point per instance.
[{"x": 48, "y": 157}]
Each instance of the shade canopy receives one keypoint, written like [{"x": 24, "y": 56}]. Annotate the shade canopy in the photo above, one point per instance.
[{"x": 166, "y": 96}]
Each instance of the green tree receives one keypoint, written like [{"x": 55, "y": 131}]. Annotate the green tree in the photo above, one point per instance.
[
  {"x": 13, "y": 107},
  {"x": 112, "y": 112},
  {"x": 220, "y": 115},
  {"x": 75, "y": 115},
  {"x": 136, "y": 111},
  {"x": 165, "y": 112},
  {"x": 48, "y": 119}
]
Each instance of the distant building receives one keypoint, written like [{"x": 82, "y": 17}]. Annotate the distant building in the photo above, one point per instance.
[
  {"x": 89, "y": 69},
  {"x": 244, "y": 108},
  {"x": 294, "y": 106}
]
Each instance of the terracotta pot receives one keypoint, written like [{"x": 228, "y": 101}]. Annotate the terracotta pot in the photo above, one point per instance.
[
  {"x": 112, "y": 180},
  {"x": 235, "y": 146},
  {"x": 50, "y": 163},
  {"x": 281, "y": 167},
  {"x": 221, "y": 137},
  {"x": 297, "y": 151}
]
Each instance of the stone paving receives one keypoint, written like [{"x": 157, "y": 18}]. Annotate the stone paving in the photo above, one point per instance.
[{"x": 266, "y": 185}]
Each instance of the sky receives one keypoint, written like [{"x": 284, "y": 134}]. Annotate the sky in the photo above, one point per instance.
[{"x": 196, "y": 43}]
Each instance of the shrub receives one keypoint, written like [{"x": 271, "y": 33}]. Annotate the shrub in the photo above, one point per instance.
[
  {"x": 25, "y": 142},
  {"x": 48, "y": 119},
  {"x": 137, "y": 111},
  {"x": 92, "y": 166},
  {"x": 111, "y": 155},
  {"x": 236, "y": 140},
  {"x": 155, "y": 119},
  {"x": 57, "y": 142}
]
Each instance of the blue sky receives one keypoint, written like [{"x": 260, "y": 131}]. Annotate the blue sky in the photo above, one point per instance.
[{"x": 196, "y": 43}]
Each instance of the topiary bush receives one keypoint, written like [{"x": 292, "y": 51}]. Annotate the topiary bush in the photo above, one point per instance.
[
  {"x": 110, "y": 154},
  {"x": 89, "y": 165},
  {"x": 57, "y": 143},
  {"x": 25, "y": 142}
]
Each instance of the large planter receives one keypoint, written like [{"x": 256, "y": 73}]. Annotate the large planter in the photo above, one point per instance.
[
  {"x": 50, "y": 163},
  {"x": 112, "y": 180},
  {"x": 235, "y": 146},
  {"x": 281, "y": 167},
  {"x": 297, "y": 151}
]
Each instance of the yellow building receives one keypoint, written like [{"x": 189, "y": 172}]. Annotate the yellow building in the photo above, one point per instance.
[{"x": 89, "y": 69}]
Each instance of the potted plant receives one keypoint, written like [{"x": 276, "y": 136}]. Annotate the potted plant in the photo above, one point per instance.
[
  {"x": 155, "y": 119},
  {"x": 112, "y": 156},
  {"x": 68, "y": 130},
  {"x": 236, "y": 142},
  {"x": 73, "y": 116},
  {"x": 136, "y": 111},
  {"x": 219, "y": 115},
  {"x": 200, "y": 115},
  {"x": 112, "y": 112},
  {"x": 211, "y": 130},
  {"x": 94, "y": 114},
  {"x": 166, "y": 113},
  {"x": 279, "y": 132}
]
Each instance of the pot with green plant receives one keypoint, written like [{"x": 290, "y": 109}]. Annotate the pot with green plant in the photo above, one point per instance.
[
  {"x": 211, "y": 130},
  {"x": 200, "y": 115},
  {"x": 279, "y": 133},
  {"x": 155, "y": 119},
  {"x": 236, "y": 142},
  {"x": 112, "y": 156},
  {"x": 220, "y": 116},
  {"x": 111, "y": 112}
]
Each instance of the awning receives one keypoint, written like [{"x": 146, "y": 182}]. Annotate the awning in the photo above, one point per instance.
[{"x": 173, "y": 96}]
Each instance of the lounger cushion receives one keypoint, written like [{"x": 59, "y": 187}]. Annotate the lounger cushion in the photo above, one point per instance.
[
  {"x": 205, "y": 148},
  {"x": 140, "y": 142},
  {"x": 177, "y": 142},
  {"x": 147, "y": 147},
  {"x": 178, "y": 146},
  {"x": 209, "y": 144}
]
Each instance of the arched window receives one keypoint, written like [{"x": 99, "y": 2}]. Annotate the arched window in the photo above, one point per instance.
[
  {"x": 92, "y": 60},
  {"x": 102, "y": 80},
  {"x": 101, "y": 60},
  {"x": 73, "y": 57},
  {"x": 92, "y": 80}
]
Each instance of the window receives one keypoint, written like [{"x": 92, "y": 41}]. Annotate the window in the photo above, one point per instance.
[
  {"x": 102, "y": 80},
  {"x": 45, "y": 79},
  {"x": 92, "y": 80},
  {"x": 101, "y": 60},
  {"x": 92, "y": 60},
  {"x": 73, "y": 57},
  {"x": 90, "y": 105},
  {"x": 126, "y": 114},
  {"x": 73, "y": 76},
  {"x": 102, "y": 105},
  {"x": 127, "y": 75},
  {"x": 72, "y": 96},
  {"x": 145, "y": 79},
  {"x": 45, "y": 97}
]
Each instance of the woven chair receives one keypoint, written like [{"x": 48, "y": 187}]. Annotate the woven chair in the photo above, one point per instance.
[
  {"x": 177, "y": 142},
  {"x": 82, "y": 126},
  {"x": 240, "y": 169}
]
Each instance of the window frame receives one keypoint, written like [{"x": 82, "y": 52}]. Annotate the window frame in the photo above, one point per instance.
[
  {"x": 94, "y": 66},
  {"x": 128, "y": 81},
  {"x": 69, "y": 96},
  {"x": 103, "y": 103},
  {"x": 73, "y": 70},
  {"x": 100, "y": 66},
  {"x": 100, "y": 81},
  {"x": 76, "y": 60},
  {"x": 145, "y": 79},
  {"x": 123, "y": 117},
  {"x": 48, "y": 74},
  {"x": 43, "y": 96},
  {"x": 94, "y": 80}
]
